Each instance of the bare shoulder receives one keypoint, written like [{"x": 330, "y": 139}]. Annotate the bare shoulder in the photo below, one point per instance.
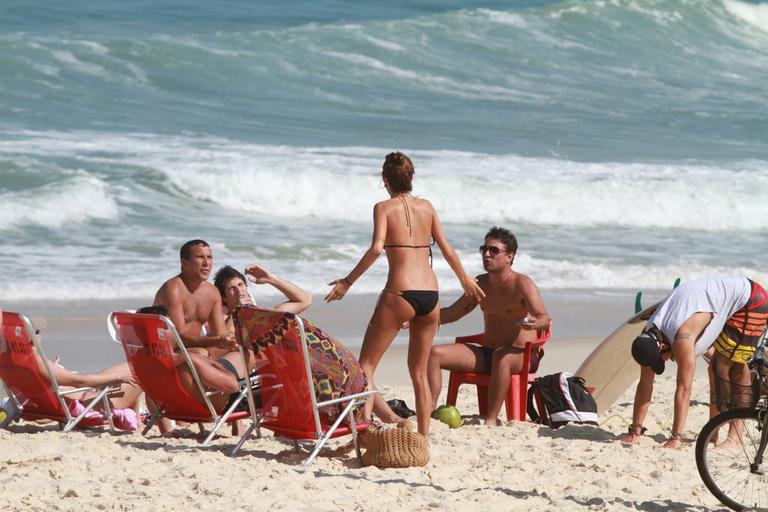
[
  {"x": 423, "y": 203},
  {"x": 169, "y": 289},
  {"x": 524, "y": 281},
  {"x": 383, "y": 206},
  {"x": 210, "y": 290}
]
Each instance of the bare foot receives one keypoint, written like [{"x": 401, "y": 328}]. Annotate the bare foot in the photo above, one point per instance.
[
  {"x": 492, "y": 423},
  {"x": 630, "y": 438},
  {"x": 728, "y": 443}
]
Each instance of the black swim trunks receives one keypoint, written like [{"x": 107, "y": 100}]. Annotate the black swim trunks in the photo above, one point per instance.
[
  {"x": 243, "y": 404},
  {"x": 488, "y": 359}
]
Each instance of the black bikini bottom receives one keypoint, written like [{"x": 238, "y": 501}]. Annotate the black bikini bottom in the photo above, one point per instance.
[{"x": 422, "y": 301}]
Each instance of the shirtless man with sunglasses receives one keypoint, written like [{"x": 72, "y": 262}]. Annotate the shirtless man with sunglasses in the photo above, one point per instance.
[{"x": 512, "y": 310}]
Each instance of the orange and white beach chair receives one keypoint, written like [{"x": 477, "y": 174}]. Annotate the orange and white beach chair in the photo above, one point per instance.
[
  {"x": 155, "y": 352},
  {"x": 293, "y": 411},
  {"x": 31, "y": 385},
  {"x": 517, "y": 394}
]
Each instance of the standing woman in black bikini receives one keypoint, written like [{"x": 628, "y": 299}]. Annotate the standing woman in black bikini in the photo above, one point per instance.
[{"x": 405, "y": 226}]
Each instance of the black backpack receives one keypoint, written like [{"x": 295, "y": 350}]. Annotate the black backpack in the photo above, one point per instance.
[{"x": 563, "y": 398}]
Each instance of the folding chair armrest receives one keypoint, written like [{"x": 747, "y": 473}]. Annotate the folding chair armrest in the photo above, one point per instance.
[
  {"x": 544, "y": 334},
  {"x": 86, "y": 389},
  {"x": 531, "y": 346},
  {"x": 349, "y": 398}
]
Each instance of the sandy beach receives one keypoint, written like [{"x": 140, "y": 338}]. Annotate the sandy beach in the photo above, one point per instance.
[
  {"x": 623, "y": 142},
  {"x": 518, "y": 466}
]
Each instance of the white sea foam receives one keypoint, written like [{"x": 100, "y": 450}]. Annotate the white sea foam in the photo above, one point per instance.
[
  {"x": 199, "y": 45},
  {"x": 78, "y": 289},
  {"x": 340, "y": 184},
  {"x": 549, "y": 275},
  {"x": 382, "y": 43},
  {"x": 513, "y": 189},
  {"x": 77, "y": 199},
  {"x": 437, "y": 83},
  {"x": 72, "y": 62},
  {"x": 754, "y": 14},
  {"x": 504, "y": 18}
]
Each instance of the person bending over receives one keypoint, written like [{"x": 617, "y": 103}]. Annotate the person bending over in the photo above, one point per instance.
[{"x": 729, "y": 313}]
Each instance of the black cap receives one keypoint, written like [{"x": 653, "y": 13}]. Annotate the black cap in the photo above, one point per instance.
[{"x": 646, "y": 351}]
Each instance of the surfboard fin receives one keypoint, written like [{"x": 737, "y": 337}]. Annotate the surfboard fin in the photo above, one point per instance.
[{"x": 638, "y": 297}]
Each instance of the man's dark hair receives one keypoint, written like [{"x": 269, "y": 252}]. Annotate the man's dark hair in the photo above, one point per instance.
[
  {"x": 186, "y": 250},
  {"x": 153, "y": 310},
  {"x": 504, "y": 236},
  {"x": 223, "y": 275}
]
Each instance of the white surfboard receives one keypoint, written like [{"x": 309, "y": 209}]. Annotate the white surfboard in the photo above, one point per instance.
[{"x": 610, "y": 369}]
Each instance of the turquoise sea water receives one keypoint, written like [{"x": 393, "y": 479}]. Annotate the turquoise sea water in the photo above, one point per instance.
[{"x": 624, "y": 141}]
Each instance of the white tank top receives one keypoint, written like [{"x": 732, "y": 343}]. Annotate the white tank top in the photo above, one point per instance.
[{"x": 722, "y": 296}]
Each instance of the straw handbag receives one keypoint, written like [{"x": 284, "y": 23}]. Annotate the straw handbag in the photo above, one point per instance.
[{"x": 394, "y": 446}]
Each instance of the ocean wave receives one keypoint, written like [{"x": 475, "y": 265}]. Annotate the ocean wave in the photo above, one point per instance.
[
  {"x": 550, "y": 275},
  {"x": 342, "y": 184},
  {"x": 74, "y": 200},
  {"x": 754, "y": 14},
  {"x": 531, "y": 78}
]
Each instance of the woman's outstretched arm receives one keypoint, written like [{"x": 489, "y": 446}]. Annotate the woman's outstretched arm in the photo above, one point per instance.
[
  {"x": 342, "y": 286},
  {"x": 468, "y": 283}
]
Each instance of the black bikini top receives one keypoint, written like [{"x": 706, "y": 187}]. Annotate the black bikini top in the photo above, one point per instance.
[{"x": 410, "y": 232}]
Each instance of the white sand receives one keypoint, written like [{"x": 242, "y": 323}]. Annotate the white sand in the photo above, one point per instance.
[{"x": 519, "y": 466}]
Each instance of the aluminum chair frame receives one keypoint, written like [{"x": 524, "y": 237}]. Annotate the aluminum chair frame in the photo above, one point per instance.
[
  {"x": 102, "y": 393},
  {"x": 321, "y": 435},
  {"x": 217, "y": 419}
]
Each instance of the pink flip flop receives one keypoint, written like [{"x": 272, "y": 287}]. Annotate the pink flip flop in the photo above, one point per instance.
[{"x": 125, "y": 419}]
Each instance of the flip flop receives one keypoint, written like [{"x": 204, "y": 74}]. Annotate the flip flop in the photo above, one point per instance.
[{"x": 400, "y": 408}]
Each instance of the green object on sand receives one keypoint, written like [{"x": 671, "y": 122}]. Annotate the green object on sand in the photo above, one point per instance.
[{"x": 449, "y": 415}]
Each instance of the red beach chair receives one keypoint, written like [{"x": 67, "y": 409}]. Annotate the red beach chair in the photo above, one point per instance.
[
  {"x": 154, "y": 352},
  {"x": 33, "y": 389},
  {"x": 294, "y": 411},
  {"x": 518, "y": 383}
]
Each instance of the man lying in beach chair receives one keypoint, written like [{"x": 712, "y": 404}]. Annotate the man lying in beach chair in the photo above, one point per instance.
[
  {"x": 186, "y": 387},
  {"x": 42, "y": 389},
  {"x": 311, "y": 383}
]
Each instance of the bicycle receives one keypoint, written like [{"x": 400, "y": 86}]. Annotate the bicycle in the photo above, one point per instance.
[{"x": 733, "y": 469}]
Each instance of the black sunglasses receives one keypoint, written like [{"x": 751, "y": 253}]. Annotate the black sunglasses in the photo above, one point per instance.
[{"x": 490, "y": 249}]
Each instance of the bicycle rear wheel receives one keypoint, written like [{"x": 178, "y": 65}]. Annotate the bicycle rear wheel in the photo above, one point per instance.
[{"x": 725, "y": 464}]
